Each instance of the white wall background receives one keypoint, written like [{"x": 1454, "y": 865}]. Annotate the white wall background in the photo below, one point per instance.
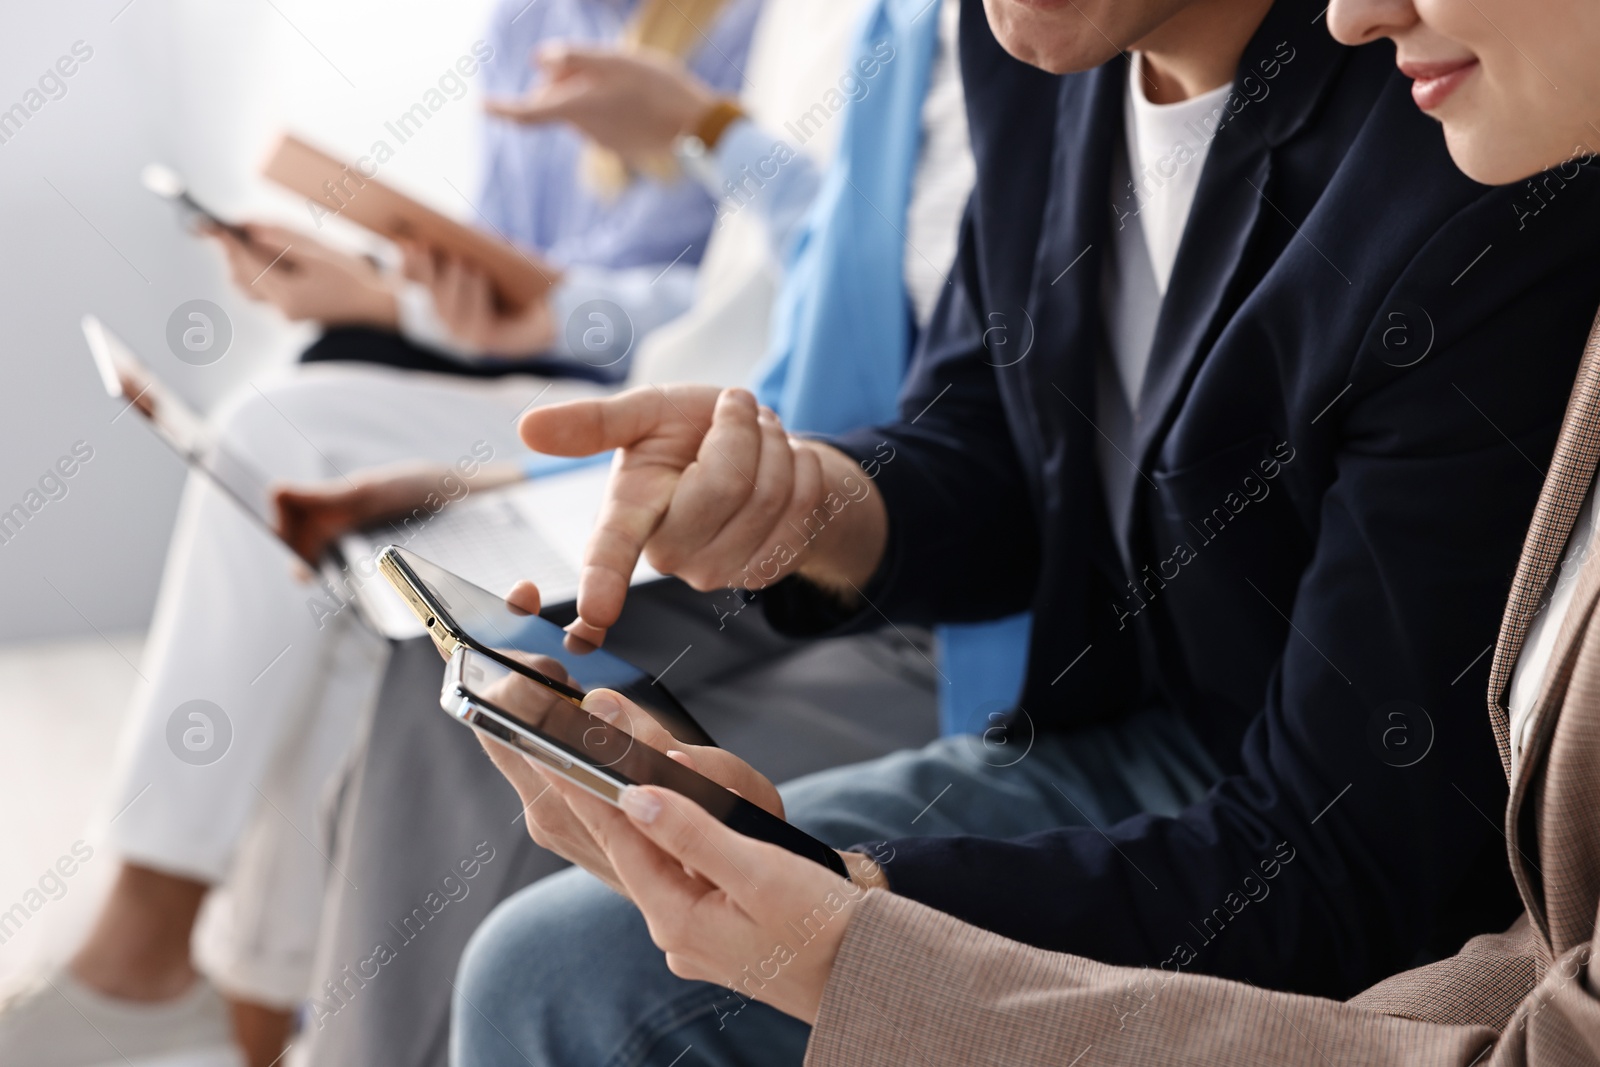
[{"x": 204, "y": 86}]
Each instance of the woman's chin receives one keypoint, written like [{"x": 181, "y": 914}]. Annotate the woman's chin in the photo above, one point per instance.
[{"x": 1491, "y": 158}]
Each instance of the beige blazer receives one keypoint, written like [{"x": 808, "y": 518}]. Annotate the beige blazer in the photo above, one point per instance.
[{"x": 915, "y": 987}]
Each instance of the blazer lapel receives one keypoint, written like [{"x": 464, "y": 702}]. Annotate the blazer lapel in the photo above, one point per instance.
[
  {"x": 1221, "y": 225},
  {"x": 1566, "y": 485},
  {"x": 1064, "y": 288},
  {"x": 1522, "y": 832},
  {"x": 1228, "y": 206}
]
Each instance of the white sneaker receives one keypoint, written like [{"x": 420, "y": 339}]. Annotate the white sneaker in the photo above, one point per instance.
[{"x": 57, "y": 1021}]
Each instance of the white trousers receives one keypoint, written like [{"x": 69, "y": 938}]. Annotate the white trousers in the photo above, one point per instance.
[{"x": 237, "y": 797}]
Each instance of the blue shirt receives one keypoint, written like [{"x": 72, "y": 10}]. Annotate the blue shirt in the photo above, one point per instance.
[{"x": 533, "y": 192}]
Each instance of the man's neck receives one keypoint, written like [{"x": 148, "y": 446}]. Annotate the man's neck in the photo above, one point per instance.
[{"x": 1197, "y": 49}]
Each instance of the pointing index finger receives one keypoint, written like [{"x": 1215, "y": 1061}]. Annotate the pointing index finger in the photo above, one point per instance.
[
  {"x": 657, "y": 438},
  {"x": 636, "y": 498},
  {"x": 584, "y": 427}
]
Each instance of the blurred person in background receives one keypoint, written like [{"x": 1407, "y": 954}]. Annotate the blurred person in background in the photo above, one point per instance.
[
  {"x": 423, "y": 373},
  {"x": 631, "y": 233}
]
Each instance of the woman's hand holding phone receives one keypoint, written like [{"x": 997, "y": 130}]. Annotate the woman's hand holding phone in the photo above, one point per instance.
[
  {"x": 715, "y": 898},
  {"x": 556, "y": 809},
  {"x": 726, "y": 908},
  {"x": 717, "y": 902},
  {"x": 549, "y": 800}
]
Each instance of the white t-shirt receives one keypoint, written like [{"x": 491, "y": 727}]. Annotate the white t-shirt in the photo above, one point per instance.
[
  {"x": 1166, "y": 146},
  {"x": 944, "y": 175},
  {"x": 1527, "y": 677}
]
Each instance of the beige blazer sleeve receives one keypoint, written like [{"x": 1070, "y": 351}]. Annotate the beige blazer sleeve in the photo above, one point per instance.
[{"x": 912, "y": 986}]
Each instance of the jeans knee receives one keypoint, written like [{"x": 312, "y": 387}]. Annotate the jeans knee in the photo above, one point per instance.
[
  {"x": 522, "y": 970},
  {"x": 504, "y": 954}
]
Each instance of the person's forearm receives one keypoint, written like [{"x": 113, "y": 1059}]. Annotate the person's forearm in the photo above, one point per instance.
[
  {"x": 648, "y": 297},
  {"x": 958, "y": 995},
  {"x": 847, "y": 531},
  {"x": 756, "y": 169}
]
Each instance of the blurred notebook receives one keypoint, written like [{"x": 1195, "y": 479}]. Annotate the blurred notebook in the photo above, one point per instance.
[{"x": 335, "y": 188}]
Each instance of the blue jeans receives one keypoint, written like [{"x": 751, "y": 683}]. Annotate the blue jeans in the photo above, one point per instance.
[{"x": 564, "y": 972}]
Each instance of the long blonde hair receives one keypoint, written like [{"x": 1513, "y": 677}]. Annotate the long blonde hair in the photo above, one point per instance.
[{"x": 676, "y": 27}]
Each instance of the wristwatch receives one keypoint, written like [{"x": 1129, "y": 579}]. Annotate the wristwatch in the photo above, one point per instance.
[{"x": 693, "y": 148}]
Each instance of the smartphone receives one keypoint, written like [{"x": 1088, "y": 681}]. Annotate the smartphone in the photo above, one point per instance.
[
  {"x": 525, "y": 714},
  {"x": 203, "y": 214},
  {"x": 165, "y": 183},
  {"x": 456, "y": 613}
]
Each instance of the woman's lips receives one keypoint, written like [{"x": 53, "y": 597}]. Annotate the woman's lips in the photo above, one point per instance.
[{"x": 1432, "y": 83}]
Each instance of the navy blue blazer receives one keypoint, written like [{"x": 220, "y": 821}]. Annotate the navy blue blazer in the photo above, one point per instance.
[{"x": 1356, "y": 380}]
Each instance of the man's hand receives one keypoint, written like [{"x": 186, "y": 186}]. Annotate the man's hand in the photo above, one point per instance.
[
  {"x": 310, "y": 518},
  {"x": 465, "y": 301},
  {"x": 633, "y": 103},
  {"x": 708, "y": 486},
  {"x": 550, "y": 801},
  {"x": 305, "y": 279}
]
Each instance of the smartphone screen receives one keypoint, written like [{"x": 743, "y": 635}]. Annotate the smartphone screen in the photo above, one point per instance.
[
  {"x": 488, "y": 623},
  {"x": 573, "y": 736}
]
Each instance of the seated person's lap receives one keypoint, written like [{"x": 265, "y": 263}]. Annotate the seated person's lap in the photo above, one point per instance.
[
  {"x": 308, "y": 423},
  {"x": 565, "y": 972},
  {"x": 384, "y": 348}
]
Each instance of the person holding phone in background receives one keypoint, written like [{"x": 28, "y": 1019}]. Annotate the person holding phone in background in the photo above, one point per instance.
[
  {"x": 626, "y": 232},
  {"x": 880, "y": 977}
]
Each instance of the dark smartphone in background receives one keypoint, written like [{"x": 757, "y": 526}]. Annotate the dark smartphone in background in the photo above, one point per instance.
[{"x": 167, "y": 184}]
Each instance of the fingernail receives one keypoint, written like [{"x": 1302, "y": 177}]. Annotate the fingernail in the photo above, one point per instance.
[
  {"x": 603, "y": 704},
  {"x": 640, "y": 805}
]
